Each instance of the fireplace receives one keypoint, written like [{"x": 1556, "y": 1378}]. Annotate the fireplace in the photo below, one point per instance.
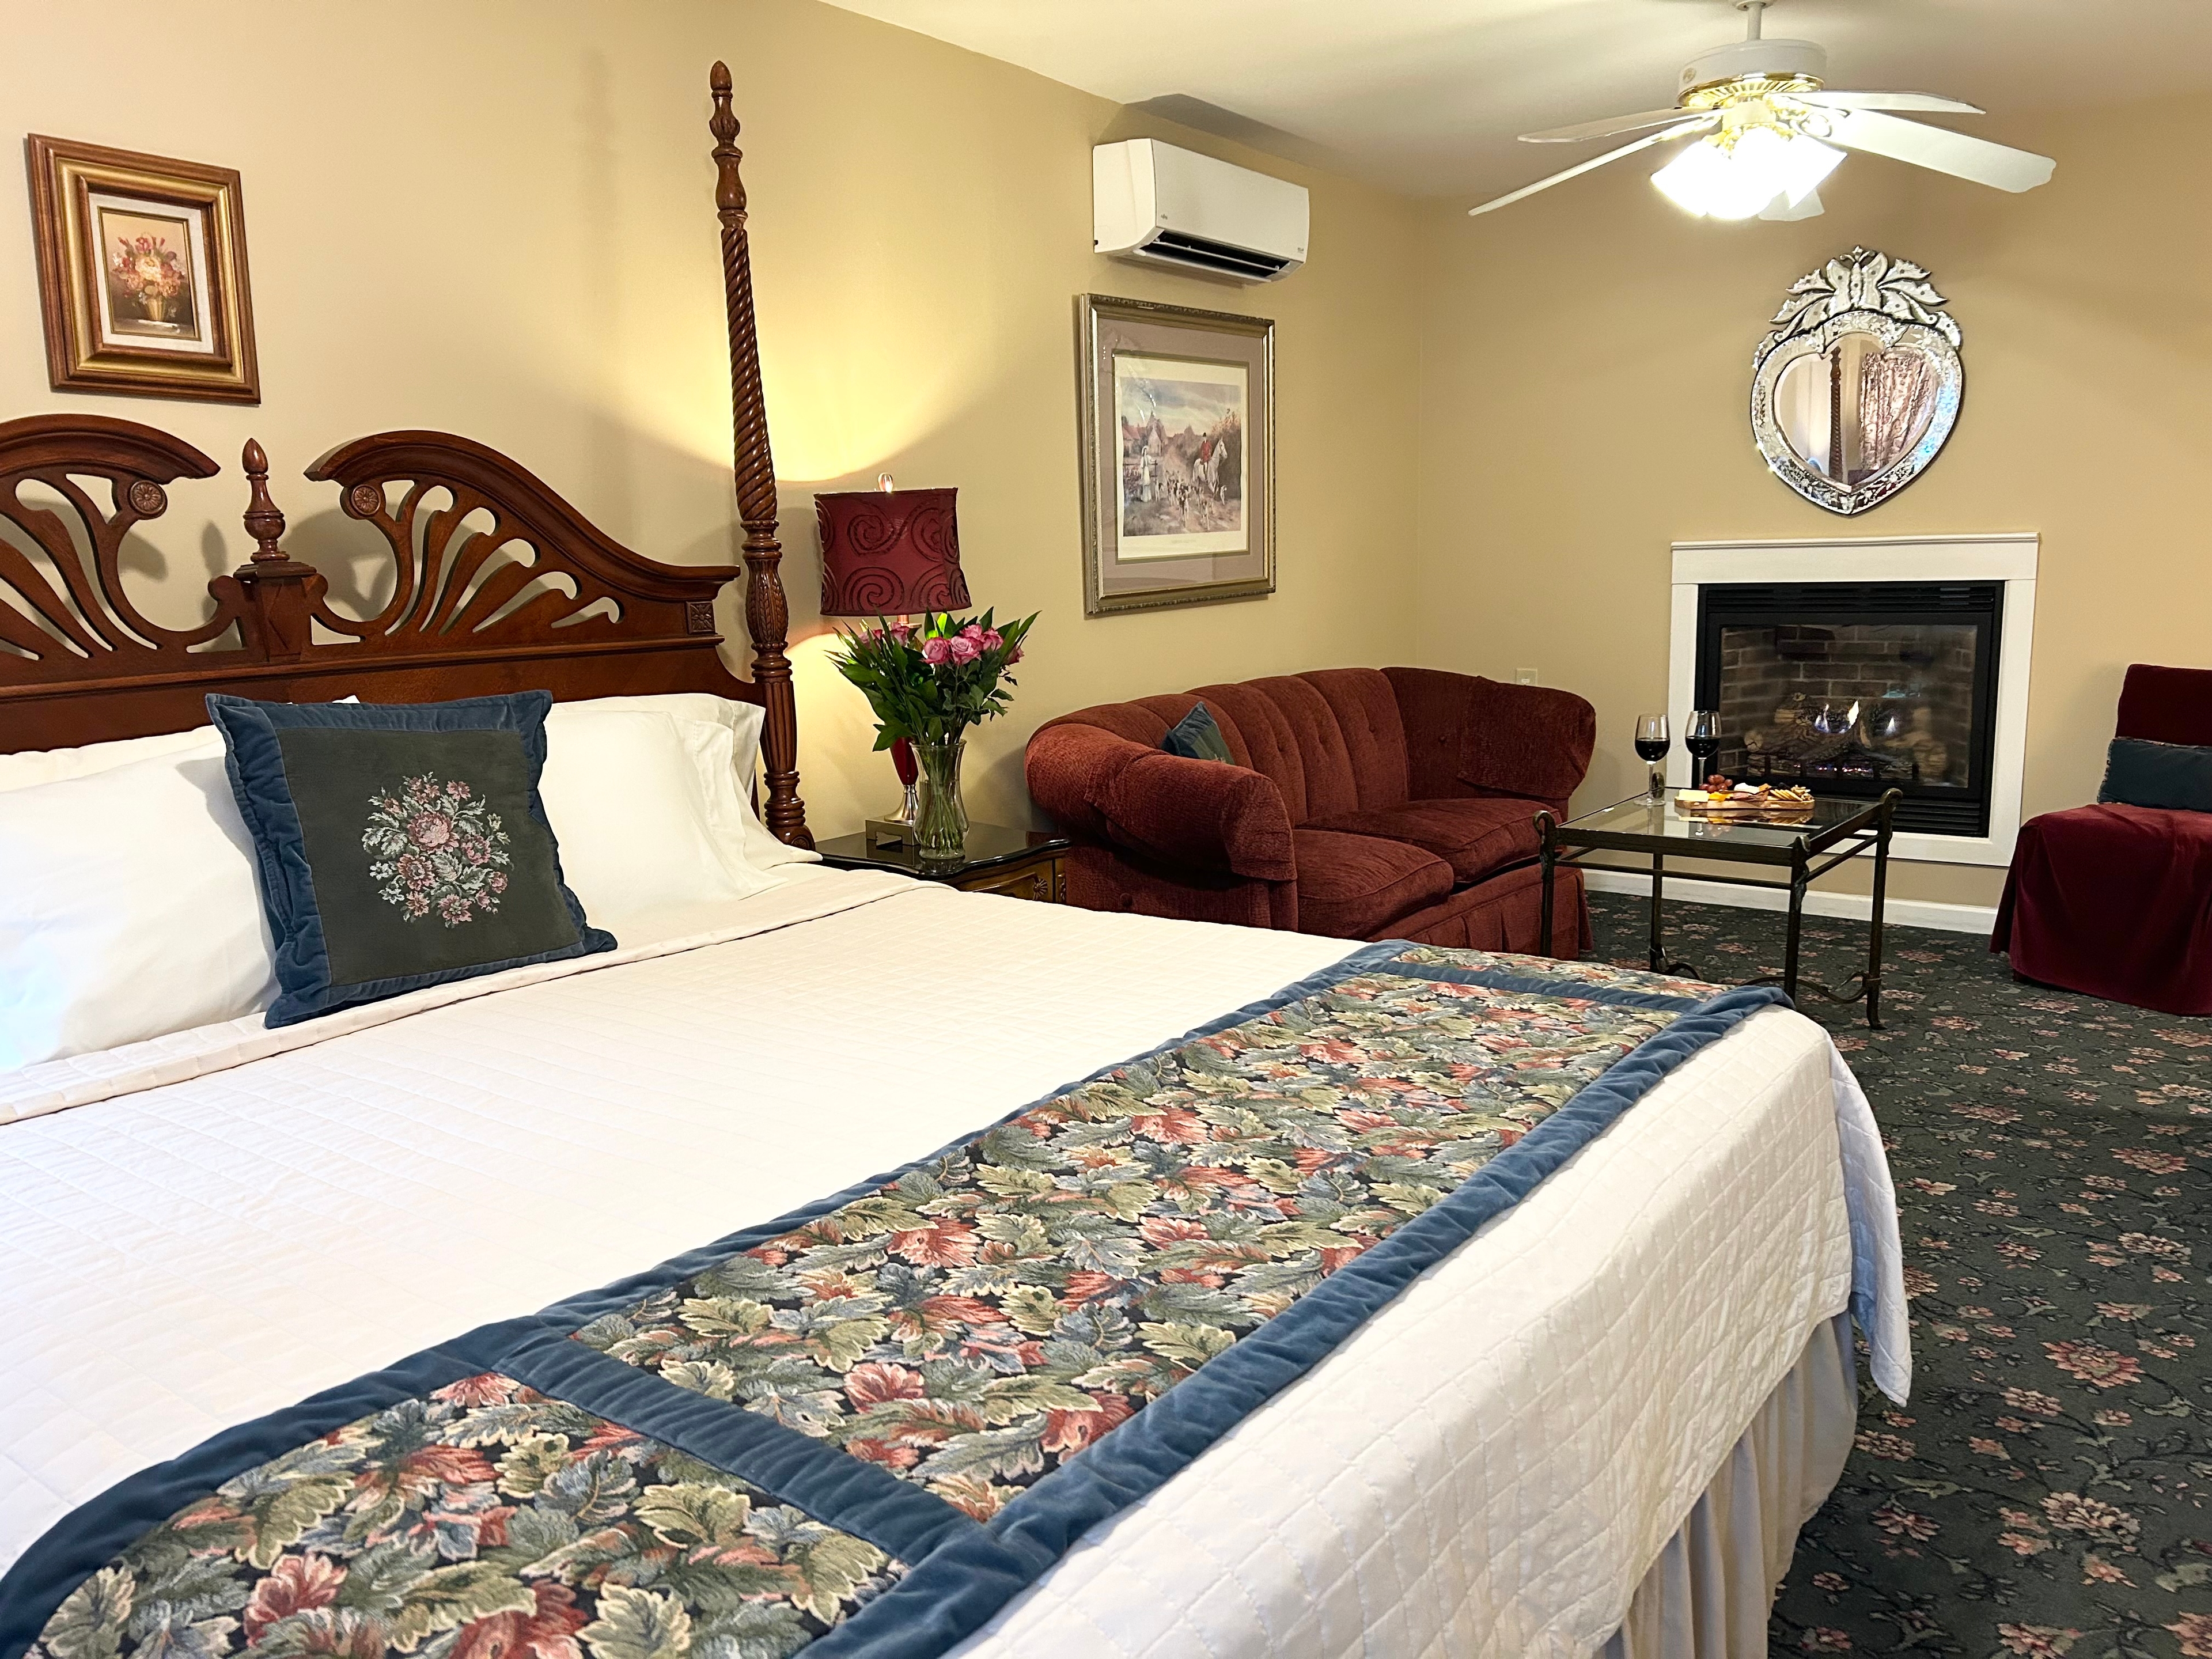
[
  {"x": 1856, "y": 688},
  {"x": 1928, "y": 636}
]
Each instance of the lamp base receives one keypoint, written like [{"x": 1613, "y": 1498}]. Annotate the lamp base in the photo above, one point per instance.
[{"x": 895, "y": 829}]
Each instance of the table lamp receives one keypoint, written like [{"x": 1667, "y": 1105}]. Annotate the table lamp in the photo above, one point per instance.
[{"x": 890, "y": 553}]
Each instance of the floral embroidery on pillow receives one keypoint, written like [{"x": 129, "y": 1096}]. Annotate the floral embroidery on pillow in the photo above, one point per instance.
[{"x": 436, "y": 847}]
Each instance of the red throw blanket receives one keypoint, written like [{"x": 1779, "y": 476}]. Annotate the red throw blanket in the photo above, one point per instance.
[{"x": 2116, "y": 902}]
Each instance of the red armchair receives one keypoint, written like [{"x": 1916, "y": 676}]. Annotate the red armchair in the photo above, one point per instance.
[
  {"x": 2116, "y": 901},
  {"x": 1397, "y": 803}
]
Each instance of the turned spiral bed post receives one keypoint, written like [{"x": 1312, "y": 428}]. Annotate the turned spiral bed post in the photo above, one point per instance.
[{"x": 768, "y": 616}]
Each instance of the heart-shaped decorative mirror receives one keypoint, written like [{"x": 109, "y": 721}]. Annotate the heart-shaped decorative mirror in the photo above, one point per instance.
[{"x": 1859, "y": 385}]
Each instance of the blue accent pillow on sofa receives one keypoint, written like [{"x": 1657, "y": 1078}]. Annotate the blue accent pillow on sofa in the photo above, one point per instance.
[
  {"x": 399, "y": 845},
  {"x": 2140, "y": 772},
  {"x": 1197, "y": 736}
]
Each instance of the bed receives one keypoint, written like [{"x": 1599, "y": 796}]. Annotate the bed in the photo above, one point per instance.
[{"x": 1594, "y": 1425}]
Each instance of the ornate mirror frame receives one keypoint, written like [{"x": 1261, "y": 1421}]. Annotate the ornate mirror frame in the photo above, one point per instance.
[{"x": 1862, "y": 292}]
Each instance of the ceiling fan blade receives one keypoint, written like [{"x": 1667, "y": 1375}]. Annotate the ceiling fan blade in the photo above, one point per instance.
[
  {"x": 1940, "y": 149},
  {"x": 1807, "y": 206},
  {"x": 1702, "y": 124},
  {"x": 1919, "y": 101},
  {"x": 1606, "y": 129}
]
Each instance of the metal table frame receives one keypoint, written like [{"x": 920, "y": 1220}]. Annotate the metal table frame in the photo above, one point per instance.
[{"x": 1564, "y": 844}]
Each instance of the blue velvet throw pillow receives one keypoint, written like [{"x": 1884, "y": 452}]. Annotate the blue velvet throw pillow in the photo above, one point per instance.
[
  {"x": 400, "y": 845},
  {"x": 1197, "y": 736},
  {"x": 2140, "y": 772}
]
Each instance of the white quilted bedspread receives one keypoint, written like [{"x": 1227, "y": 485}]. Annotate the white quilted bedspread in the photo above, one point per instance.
[{"x": 210, "y": 1228}]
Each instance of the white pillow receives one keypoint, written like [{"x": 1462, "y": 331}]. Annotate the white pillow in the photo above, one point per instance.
[
  {"x": 129, "y": 908},
  {"x": 726, "y": 773},
  {"x": 37, "y": 766},
  {"x": 50, "y": 765},
  {"x": 624, "y": 795}
]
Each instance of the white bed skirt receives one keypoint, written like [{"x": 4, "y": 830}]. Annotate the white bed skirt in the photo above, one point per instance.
[{"x": 1708, "y": 1594}]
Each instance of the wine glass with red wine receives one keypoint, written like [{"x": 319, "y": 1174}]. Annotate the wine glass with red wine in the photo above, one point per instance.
[
  {"x": 1651, "y": 745},
  {"x": 1703, "y": 740}
]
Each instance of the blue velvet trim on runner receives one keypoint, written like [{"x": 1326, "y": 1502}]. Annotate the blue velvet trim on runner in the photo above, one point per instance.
[
  {"x": 860, "y": 1498},
  {"x": 955, "y": 1591},
  {"x": 94, "y": 1533}
]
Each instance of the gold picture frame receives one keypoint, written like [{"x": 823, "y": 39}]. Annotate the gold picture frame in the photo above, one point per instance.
[
  {"x": 1178, "y": 437},
  {"x": 141, "y": 274}
]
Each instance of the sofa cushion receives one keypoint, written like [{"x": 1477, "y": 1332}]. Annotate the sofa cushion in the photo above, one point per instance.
[
  {"x": 1374, "y": 738},
  {"x": 1464, "y": 733},
  {"x": 1324, "y": 757},
  {"x": 1474, "y": 836},
  {"x": 1145, "y": 721},
  {"x": 1259, "y": 737},
  {"x": 1526, "y": 740},
  {"x": 1355, "y": 886}
]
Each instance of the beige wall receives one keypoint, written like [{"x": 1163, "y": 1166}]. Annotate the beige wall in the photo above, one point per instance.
[
  {"x": 497, "y": 219},
  {"x": 1586, "y": 364}
]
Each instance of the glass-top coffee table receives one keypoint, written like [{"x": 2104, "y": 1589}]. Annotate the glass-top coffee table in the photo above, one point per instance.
[{"x": 1837, "y": 831}]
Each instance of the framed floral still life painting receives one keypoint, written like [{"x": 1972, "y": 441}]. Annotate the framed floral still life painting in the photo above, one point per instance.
[
  {"x": 141, "y": 274},
  {"x": 1178, "y": 426}
]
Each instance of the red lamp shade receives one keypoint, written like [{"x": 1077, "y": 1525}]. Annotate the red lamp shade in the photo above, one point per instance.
[{"x": 890, "y": 553}]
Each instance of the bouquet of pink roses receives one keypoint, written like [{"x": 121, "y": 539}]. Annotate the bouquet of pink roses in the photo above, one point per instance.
[{"x": 930, "y": 682}]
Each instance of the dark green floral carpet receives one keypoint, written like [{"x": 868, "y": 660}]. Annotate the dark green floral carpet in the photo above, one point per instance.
[{"x": 2045, "y": 1490}]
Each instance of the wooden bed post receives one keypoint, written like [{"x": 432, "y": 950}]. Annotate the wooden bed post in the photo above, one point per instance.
[
  {"x": 276, "y": 595},
  {"x": 768, "y": 617}
]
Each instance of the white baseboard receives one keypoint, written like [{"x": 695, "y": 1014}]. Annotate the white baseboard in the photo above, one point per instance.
[{"x": 1853, "y": 907}]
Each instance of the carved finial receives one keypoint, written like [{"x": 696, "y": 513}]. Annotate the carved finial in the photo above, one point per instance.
[
  {"x": 265, "y": 521},
  {"x": 273, "y": 594},
  {"x": 729, "y": 188}
]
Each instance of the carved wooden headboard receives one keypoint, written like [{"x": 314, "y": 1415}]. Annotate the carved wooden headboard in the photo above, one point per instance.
[{"x": 499, "y": 584}]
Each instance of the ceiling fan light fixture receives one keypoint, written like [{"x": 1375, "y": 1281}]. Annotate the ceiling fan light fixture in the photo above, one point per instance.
[
  {"x": 1736, "y": 174},
  {"x": 1757, "y": 110}
]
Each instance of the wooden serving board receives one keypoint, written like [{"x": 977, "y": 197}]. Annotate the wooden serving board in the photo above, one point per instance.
[{"x": 1797, "y": 813}]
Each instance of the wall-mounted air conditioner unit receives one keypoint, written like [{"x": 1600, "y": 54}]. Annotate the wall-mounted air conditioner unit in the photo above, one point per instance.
[{"x": 1150, "y": 201}]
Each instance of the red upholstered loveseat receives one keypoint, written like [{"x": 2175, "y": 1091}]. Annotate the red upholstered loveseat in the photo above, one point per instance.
[
  {"x": 1394, "y": 803},
  {"x": 2116, "y": 901}
]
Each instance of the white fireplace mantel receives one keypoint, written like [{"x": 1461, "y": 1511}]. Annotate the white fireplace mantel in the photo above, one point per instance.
[{"x": 2009, "y": 559}]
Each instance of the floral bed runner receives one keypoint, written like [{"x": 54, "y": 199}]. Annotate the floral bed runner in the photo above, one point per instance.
[{"x": 862, "y": 1428}]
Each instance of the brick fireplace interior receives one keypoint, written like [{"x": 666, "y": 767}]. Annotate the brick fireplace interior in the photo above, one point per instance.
[{"x": 1853, "y": 687}]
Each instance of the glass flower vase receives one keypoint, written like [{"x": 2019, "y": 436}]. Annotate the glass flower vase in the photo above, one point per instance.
[{"x": 940, "y": 825}]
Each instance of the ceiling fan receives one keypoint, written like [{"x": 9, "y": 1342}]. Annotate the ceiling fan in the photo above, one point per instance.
[{"x": 1768, "y": 131}]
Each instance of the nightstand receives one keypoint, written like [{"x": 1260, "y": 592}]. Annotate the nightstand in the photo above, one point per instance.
[{"x": 1024, "y": 863}]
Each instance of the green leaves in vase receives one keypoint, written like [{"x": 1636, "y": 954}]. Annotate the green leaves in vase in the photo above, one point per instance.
[{"x": 931, "y": 681}]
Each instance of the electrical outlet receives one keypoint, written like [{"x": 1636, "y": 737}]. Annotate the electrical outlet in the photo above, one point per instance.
[{"x": 1524, "y": 677}]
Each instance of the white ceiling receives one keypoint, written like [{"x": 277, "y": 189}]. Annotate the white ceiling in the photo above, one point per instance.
[{"x": 1425, "y": 96}]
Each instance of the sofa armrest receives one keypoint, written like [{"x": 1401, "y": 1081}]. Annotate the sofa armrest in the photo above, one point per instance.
[
  {"x": 1199, "y": 815},
  {"x": 1467, "y": 734}
]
